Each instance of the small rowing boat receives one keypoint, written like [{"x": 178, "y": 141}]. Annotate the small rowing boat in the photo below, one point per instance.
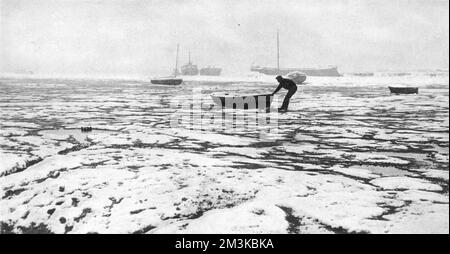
[
  {"x": 242, "y": 101},
  {"x": 404, "y": 90}
]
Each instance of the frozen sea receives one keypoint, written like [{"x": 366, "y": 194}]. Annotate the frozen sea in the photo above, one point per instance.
[{"x": 348, "y": 157}]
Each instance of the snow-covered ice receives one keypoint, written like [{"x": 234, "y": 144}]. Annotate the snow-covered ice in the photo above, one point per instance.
[{"x": 347, "y": 158}]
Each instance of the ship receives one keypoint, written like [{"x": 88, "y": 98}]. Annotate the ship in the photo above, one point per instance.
[
  {"x": 404, "y": 90},
  {"x": 171, "y": 80},
  {"x": 210, "y": 71},
  {"x": 168, "y": 81},
  {"x": 325, "y": 71},
  {"x": 363, "y": 74},
  {"x": 330, "y": 71},
  {"x": 189, "y": 69}
]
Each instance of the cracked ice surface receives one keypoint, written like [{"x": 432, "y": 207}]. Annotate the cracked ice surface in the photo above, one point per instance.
[{"x": 347, "y": 157}]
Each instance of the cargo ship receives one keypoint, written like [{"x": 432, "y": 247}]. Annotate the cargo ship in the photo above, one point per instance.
[
  {"x": 210, "y": 71},
  {"x": 189, "y": 69}
]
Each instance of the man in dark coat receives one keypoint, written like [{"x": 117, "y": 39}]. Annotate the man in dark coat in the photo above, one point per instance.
[{"x": 288, "y": 85}]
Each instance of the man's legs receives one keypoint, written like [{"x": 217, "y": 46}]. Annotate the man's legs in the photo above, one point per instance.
[{"x": 288, "y": 96}]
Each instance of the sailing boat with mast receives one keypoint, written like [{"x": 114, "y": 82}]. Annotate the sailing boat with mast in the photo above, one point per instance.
[
  {"x": 299, "y": 72},
  {"x": 172, "y": 81}
]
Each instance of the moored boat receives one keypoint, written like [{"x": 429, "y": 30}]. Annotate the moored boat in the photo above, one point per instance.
[
  {"x": 404, "y": 90},
  {"x": 319, "y": 72},
  {"x": 363, "y": 74},
  {"x": 171, "y": 81},
  {"x": 242, "y": 101},
  {"x": 329, "y": 71},
  {"x": 167, "y": 81}
]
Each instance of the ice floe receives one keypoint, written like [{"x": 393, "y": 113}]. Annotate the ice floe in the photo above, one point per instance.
[{"x": 347, "y": 157}]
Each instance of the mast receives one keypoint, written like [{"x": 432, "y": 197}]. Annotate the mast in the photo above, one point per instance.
[
  {"x": 189, "y": 57},
  {"x": 278, "y": 51},
  {"x": 176, "y": 61}
]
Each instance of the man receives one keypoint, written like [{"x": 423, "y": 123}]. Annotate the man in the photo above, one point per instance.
[{"x": 288, "y": 85}]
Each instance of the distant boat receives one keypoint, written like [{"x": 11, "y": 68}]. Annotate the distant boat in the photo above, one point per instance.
[
  {"x": 363, "y": 74},
  {"x": 189, "y": 69},
  {"x": 326, "y": 71},
  {"x": 210, "y": 71},
  {"x": 320, "y": 72},
  {"x": 404, "y": 90},
  {"x": 242, "y": 101},
  {"x": 171, "y": 81},
  {"x": 398, "y": 74},
  {"x": 167, "y": 81}
]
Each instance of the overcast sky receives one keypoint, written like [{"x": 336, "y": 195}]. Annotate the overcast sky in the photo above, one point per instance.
[{"x": 139, "y": 37}]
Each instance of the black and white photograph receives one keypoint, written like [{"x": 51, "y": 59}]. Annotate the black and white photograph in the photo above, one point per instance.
[{"x": 194, "y": 117}]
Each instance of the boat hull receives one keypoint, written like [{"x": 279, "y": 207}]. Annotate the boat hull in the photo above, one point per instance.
[
  {"x": 242, "y": 101},
  {"x": 320, "y": 72},
  {"x": 363, "y": 74},
  {"x": 404, "y": 90},
  {"x": 168, "y": 81}
]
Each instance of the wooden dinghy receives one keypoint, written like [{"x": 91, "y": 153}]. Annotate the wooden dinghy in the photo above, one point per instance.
[
  {"x": 242, "y": 101},
  {"x": 404, "y": 90}
]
